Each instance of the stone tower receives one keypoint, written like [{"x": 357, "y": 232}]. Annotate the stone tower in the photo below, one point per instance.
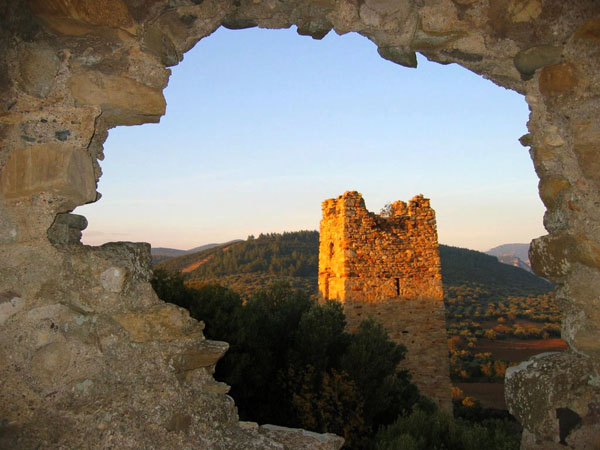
[{"x": 388, "y": 267}]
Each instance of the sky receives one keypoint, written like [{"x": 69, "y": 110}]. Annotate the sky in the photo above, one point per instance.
[{"x": 263, "y": 125}]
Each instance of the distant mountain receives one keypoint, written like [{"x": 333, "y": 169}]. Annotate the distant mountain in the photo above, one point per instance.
[
  {"x": 521, "y": 251},
  {"x": 462, "y": 266},
  {"x": 512, "y": 254},
  {"x": 244, "y": 265},
  {"x": 163, "y": 253},
  {"x": 515, "y": 261},
  {"x": 158, "y": 257}
]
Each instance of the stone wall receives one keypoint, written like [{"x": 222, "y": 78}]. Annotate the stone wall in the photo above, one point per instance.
[
  {"x": 388, "y": 268},
  {"x": 73, "y": 69}
]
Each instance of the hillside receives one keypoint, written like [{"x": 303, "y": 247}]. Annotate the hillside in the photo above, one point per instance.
[
  {"x": 163, "y": 253},
  {"x": 496, "y": 314},
  {"x": 462, "y": 266},
  {"x": 243, "y": 265}
]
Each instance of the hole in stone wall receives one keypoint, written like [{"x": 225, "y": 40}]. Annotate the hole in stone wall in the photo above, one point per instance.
[
  {"x": 568, "y": 420},
  {"x": 262, "y": 125}
]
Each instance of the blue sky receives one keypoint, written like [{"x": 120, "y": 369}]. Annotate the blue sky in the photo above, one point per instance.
[{"x": 263, "y": 125}]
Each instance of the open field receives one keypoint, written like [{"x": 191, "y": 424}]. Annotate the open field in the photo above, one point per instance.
[
  {"x": 491, "y": 395},
  {"x": 487, "y": 324},
  {"x": 516, "y": 350}
]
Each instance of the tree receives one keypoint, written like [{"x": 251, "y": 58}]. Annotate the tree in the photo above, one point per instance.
[
  {"x": 329, "y": 402},
  {"x": 259, "y": 358},
  {"x": 490, "y": 334},
  {"x": 500, "y": 368},
  {"x": 372, "y": 360},
  {"x": 292, "y": 363},
  {"x": 438, "y": 431},
  {"x": 321, "y": 338},
  {"x": 387, "y": 210},
  {"x": 170, "y": 288}
]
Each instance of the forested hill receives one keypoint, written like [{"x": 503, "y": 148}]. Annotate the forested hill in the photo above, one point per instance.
[
  {"x": 289, "y": 254},
  {"x": 294, "y": 256}
]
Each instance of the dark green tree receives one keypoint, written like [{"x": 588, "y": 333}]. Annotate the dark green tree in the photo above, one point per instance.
[
  {"x": 292, "y": 363},
  {"x": 171, "y": 288},
  {"x": 371, "y": 360},
  {"x": 423, "y": 430}
]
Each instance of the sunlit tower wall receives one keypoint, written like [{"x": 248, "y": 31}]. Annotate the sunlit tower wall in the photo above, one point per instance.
[{"x": 388, "y": 266}]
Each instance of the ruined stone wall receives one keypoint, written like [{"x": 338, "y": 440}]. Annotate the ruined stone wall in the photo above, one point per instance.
[
  {"x": 72, "y": 69},
  {"x": 388, "y": 268}
]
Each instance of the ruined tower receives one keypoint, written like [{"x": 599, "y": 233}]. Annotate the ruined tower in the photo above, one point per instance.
[{"x": 388, "y": 267}]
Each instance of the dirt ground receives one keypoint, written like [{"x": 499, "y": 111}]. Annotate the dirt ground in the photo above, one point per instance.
[
  {"x": 491, "y": 395},
  {"x": 515, "y": 350}
]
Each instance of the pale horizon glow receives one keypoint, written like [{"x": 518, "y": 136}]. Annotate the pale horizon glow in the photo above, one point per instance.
[{"x": 263, "y": 125}]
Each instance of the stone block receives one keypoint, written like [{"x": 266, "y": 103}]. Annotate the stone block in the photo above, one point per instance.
[
  {"x": 132, "y": 256},
  {"x": 524, "y": 10},
  {"x": 315, "y": 29},
  {"x": 165, "y": 323},
  {"x": 37, "y": 70},
  {"x": 400, "y": 55},
  {"x": 589, "y": 30},
  {"x": 216, "y": 388},
  {"x": 387, "y": 6},
  {"x": 67, "y": 229},
  {"x": 534, "y": 58},
  {"x": 75, "y": 221},
  {"x": 179, "y": 422},
  {"x": 370, "y": 17},
  {"x": 301, "y": 439},
  {"x": 58, "y": 13},
  {"x": 557, "y": 79},
  {"x": 550, "y": 190},
  {"x": 586, "y": 134},
  {"x": 10, "y": 304},
  {"x": 207, "y": 354},
  {"x": 51, "y": 361},
  {"x": 51, "y": 168},
  {"x": 430, "y": 40},
  {"x": 552, "y": 255},
  {"x": 160, "y": 45},
  {"x": 113, "y": 279},
  {"x": 556, "y": 396},
  {"x": 123, "y": 100}
]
